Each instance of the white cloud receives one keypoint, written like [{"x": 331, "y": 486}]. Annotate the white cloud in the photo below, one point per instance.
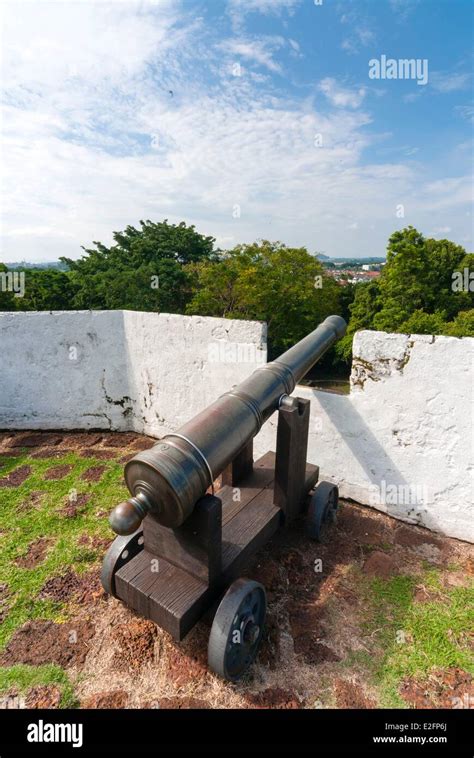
[
  {"x": 465, "y": 111},
  {"x": 259, "y": 51},
  {"x": 447, "y": 82},
  {"x": 403, "y": 8},
  {"x": 341, "y": 96},
  {"x": 238, "y": 9},
  {"x": 85, "y": 103},
  {"x": 361, "y": 37}
]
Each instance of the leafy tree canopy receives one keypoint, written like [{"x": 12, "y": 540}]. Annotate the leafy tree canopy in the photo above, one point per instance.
[
  {"x": 421, "y": 290},
  {"x": 267, "y": 281},
  {"x": 144, "y": 270}
]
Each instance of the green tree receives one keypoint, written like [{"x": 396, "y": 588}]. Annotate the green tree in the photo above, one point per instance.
[
  {"x": 8, "y": 301},
  {"x": 418, "y": 276},
  {"x": 46, "y": 290},
  {"x": 462, "y": 325},
  {"x": 420, "y": 322},
  {"x": 267, "y": 281},
  {"x": 146, "y": 269},
  {"x": 365, "y": 305}
]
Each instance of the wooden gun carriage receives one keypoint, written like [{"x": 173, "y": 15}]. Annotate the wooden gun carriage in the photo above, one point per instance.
[{"x": 182, "y": 548}]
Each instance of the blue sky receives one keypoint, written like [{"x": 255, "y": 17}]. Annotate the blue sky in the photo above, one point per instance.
[{"x": 248, "y": 118}]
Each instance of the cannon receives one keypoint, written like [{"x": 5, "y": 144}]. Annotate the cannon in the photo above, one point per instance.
[{"x": 182, "y": 545}]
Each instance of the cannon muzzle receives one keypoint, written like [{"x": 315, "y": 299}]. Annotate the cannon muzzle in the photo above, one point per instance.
[{"x": 168, "y": 479}]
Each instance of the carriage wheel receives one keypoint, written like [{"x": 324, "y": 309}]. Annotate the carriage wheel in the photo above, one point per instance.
[
  {"x": 121, "y": 551},
  {"x": 322, "y": 510},
  {"x": 237, "y": 629}
]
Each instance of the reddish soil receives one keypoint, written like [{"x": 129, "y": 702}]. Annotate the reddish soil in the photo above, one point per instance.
[
  {"x": 43, "y": 696},
  {"x": 4, "y": 595},
  {"x": 365, "y": 528},
  {"x": 101, "y": 454},
  {"x": 271, "y": 574},
  {"x": 270, "y": 652},
  {"x": 94, "y": 542},
  {"x": 184, "y": 667},
  {"x": 36, "y": 553},
  {"x": 450, "y": 688},
  {"x": 136, "y": 644},
  {"x": 173, "y": 703},
  {"x": 16, "y": 477},
  {"x": 80, "y": 588},
  {"x": 38, "y": 642},
  {"x": 50, "y": 452},
  {"x": 58, "y": 472},
  {"x": 72, "y": 507},
  {"x": 4, "y": 592},
  {"x": 33, "y": 501},
  {"x": 143, "y": 443},
  {"x": 6, "y": 437},
  {"x": 274, "y": 697},
  {"x": 40, "y": 439},
  {"x": 380, "y": 564},
  {"x": 120, "y": 439},
  {"x": 415, "y": 537},
  {"x": 126, "y": 458},
  {"x": 93, "y": 474},
  {"x": 79, "y": 440},
  {"x": 350, "y": 695},
  {"x": 111, "y": 699},
  {"x": 296, "y": 566}
]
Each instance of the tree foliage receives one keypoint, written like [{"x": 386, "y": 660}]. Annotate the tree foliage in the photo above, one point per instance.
[
  {"x": 265, "y": 281},
  {"x": 417, "y": 291},
  {"x": 146, "y": 268},
  {"x": 425, "y": 286},
  {"x": 7, "y": 297}
]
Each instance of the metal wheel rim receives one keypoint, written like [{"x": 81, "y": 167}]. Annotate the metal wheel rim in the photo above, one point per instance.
[
  {"x": 322, "y": 510},
  {"x": 237, "y": 629},
  {"x": 120, "y": 552}
]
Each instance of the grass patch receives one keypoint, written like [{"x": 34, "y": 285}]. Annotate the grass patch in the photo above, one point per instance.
[
  {"x": 21, "y": 678},
  {"x": 22, "y": 525},
  {"x": 413, "y": 638}
]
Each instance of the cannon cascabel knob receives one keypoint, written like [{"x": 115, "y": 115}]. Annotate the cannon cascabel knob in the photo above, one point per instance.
[{"x": 127, "y": 516}]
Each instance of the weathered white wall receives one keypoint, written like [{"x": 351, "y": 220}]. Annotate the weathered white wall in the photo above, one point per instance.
[
  {"x": 401, "y": 441},
  {"x": 118, "y": 370}
]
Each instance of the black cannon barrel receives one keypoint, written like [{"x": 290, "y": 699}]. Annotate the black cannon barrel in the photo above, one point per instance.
[{"x": 168, "y": 479}]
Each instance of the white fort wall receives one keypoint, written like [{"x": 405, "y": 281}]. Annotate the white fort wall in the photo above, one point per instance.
[
  {"x": 119, "y": 370},
  {"x": 401, "y": 441}
]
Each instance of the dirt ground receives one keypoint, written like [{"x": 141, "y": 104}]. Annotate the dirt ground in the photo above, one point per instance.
[{"x": 376, "y": 615}]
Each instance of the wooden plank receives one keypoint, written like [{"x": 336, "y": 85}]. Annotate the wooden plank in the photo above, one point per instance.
[
  {"x": 290, "y": 467},
  {"x": 196, "y": 545},
  {"x": 136, "y": 572},
  {"x": 261, "y": 477},
  {"x": 311, "y": 479},
  {"x": 178, "y": 601},
  {"x": 174, "y": 598},
  {"x": 249, "y": 530},
  {"x": 240, "y": 468}
]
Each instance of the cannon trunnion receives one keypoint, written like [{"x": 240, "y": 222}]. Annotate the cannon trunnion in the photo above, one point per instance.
[{"x": 183, "y": 546}]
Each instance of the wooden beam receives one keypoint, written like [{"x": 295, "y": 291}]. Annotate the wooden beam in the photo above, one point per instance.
[{"x": 290, "y": 466}]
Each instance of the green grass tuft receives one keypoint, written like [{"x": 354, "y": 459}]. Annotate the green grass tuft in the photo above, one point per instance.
[
  {"x": 20, "y": 527},
  {"x": 413, "y": 638},
  {"x": 22, "y": 678}
]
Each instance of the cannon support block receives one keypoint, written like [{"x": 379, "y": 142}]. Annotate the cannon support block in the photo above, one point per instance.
[{"x": 182, "y": 572}]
